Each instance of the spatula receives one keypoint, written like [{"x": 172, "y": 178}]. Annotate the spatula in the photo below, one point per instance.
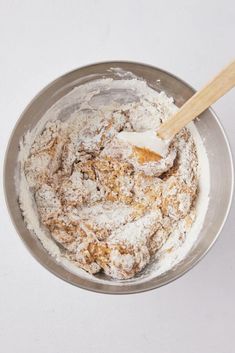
[{"x": 158, "y": 141}]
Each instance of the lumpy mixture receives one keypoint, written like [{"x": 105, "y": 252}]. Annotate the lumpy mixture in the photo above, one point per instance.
[{"x": 108, "y": 205}]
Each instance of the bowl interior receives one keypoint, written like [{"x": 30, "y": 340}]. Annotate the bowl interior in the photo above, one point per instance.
[{"x": 219, "y": 155}]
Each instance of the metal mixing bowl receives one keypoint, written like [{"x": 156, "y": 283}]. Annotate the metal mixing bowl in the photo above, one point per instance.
[{"x": 215, "y": 141}]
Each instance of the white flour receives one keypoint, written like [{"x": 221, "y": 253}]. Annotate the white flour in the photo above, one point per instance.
[{"x": 126, "y": 218}]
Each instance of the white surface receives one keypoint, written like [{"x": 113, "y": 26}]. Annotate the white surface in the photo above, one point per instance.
[{"x": 41, "y": 40}]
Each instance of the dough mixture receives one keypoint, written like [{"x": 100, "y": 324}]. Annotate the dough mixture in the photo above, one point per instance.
[{"x": 108, "y": 205}]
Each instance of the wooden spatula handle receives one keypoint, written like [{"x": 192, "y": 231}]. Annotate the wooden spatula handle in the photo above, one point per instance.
[{"x": 199, "y": 102}]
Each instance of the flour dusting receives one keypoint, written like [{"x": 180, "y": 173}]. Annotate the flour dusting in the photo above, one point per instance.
[{"x": 98, "y": 204}]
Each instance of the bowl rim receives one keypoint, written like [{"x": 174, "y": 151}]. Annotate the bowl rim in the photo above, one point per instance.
[{"x": 96, "y": 285}]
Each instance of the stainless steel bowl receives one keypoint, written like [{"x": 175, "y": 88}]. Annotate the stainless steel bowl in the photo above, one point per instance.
[{"x": 215, "y": 141}]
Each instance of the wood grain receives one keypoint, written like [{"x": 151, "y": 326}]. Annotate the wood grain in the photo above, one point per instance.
[{"x": 199, "y": 102}]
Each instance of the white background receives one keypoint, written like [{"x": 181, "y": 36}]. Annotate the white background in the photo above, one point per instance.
[{"x": 40, "y": 40}]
